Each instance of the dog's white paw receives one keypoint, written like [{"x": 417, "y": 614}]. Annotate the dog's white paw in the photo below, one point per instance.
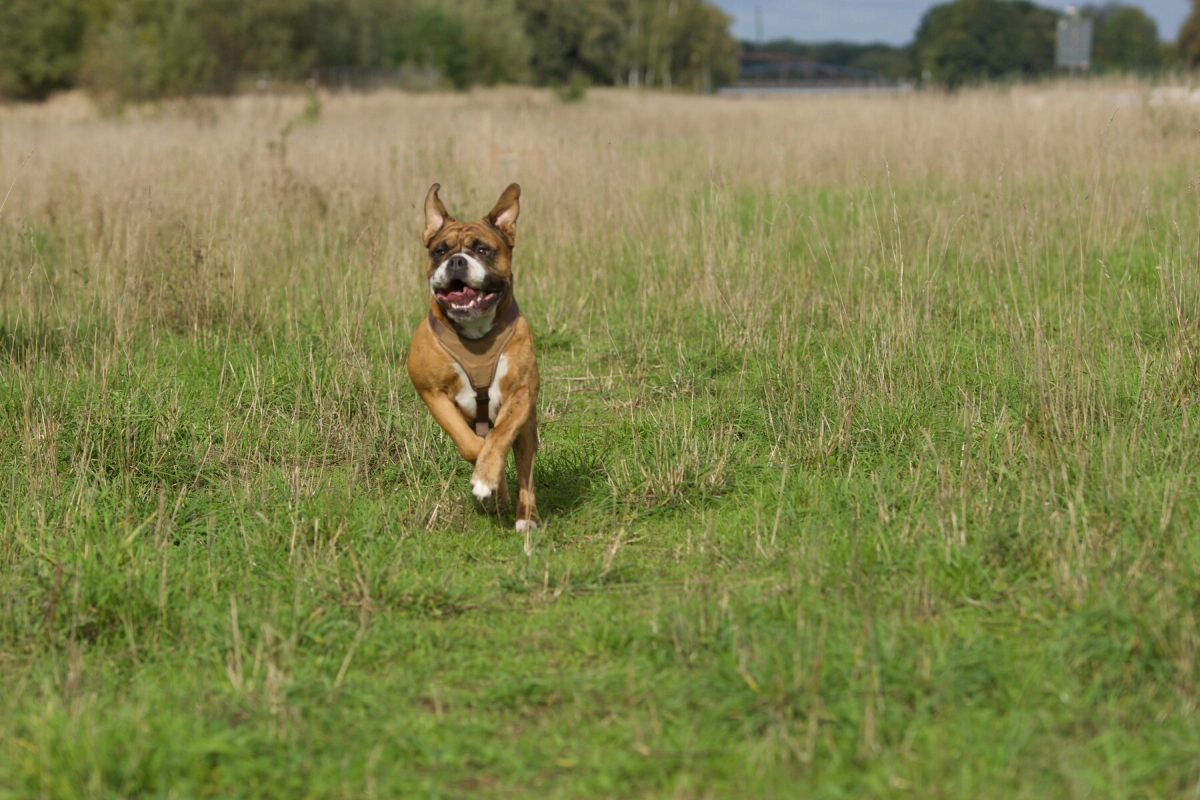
[
  {"x": 526, "y": 525},
  {"x": 481, "y": 490}
]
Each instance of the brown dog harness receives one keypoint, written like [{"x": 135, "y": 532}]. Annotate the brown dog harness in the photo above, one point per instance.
[{"x": 478, "y": 358}]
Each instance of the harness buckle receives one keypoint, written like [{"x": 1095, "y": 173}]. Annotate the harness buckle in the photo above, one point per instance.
[{"x": 483, "y": 422}]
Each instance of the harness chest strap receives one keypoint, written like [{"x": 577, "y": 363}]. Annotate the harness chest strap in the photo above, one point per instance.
[{"x": 478, "y": 358}]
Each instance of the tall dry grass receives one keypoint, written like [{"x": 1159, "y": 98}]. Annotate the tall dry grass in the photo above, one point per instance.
[{"x": 211, "y": 199}]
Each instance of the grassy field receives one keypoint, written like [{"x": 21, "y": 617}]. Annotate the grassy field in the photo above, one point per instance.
[{"x": 869, "y": 468}]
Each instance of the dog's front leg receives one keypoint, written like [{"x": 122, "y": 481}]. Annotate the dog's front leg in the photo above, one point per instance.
[
  {"x": 489, "y": 468},
  {"x": 446, "y": 414}
]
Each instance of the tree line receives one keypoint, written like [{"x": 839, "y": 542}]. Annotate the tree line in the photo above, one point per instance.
[
  {"x": 140, "y": 49},
  {"x": 974, "y": 40}
]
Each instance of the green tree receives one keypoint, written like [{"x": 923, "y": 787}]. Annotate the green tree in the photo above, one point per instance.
[
  {"x": 40, "y": 46},
  {"x": 1189, "y": 37},
  {"x": 1124, "y": 38},
  {"x": 140, "y": 50},
  {"x": 969, "y": 40},
  {"x": 558, "y": 30},
  {"x": 498, "y": 48},
  {"x": 263, "y": 36},
  {"x": 705, "y": 54},
  {"x": 466, "y": 41},
  {"x": 434, "y": 39},
  {"x": 633, "y": 42}
]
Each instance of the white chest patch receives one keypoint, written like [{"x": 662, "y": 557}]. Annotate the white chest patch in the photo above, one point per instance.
[{"x": 465, "y": 399}]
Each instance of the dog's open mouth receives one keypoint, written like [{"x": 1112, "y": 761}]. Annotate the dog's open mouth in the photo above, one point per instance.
[{"x": 459, "y": 298}]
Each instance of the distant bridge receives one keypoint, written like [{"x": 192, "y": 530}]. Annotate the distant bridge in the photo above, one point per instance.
[{"x": 769, "y": 73}]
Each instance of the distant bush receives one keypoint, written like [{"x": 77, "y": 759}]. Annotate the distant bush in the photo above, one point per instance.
[{"x": 575, "y": 90}]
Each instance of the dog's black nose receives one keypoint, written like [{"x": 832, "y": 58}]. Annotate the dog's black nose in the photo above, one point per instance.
[{"x": 458, "y": 262}]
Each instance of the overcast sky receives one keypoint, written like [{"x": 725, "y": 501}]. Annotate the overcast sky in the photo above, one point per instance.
[{"x": 893, "y": 21}]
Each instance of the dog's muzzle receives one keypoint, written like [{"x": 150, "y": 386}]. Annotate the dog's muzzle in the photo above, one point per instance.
[{"x": 462, "y": 287}]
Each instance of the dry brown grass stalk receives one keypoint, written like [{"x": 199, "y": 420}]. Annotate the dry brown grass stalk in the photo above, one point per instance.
[{"x": 204, "y": 211}]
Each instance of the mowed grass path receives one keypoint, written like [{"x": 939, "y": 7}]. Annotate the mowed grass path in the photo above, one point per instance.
[{"x": 869, "y": 467}]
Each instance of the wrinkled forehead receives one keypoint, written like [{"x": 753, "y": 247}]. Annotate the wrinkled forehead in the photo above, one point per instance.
[{"x": 466, "y": 235}]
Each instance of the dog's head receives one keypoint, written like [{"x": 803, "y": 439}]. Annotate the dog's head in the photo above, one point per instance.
[{"x": 470, "y": 264}]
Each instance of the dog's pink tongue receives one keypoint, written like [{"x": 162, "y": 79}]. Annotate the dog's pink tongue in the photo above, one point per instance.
[{"x": 461, "y": 297}]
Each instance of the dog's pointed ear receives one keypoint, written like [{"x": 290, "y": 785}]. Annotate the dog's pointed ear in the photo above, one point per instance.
[
  {"x": 503, "y": 216},
  {"x": 435, "y": 215}
]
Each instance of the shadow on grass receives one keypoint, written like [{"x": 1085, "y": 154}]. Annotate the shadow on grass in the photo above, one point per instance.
[{"x": 565, "y": 480}]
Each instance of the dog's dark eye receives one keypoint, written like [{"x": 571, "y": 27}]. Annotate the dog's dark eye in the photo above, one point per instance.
[
  {"x": 482, "y": 250},
  {"x": 440, "y": 251}
]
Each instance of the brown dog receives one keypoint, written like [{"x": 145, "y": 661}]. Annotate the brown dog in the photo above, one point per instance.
[{"x": 472, "y": 358}]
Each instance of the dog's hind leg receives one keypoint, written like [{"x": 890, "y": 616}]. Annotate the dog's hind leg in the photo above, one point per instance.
[
  {"x": 503, "y": 496},
  {"x": 524, "y": 449}
]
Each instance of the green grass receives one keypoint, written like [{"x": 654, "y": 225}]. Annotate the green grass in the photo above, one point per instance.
[{"x": 841, "y": 498}]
